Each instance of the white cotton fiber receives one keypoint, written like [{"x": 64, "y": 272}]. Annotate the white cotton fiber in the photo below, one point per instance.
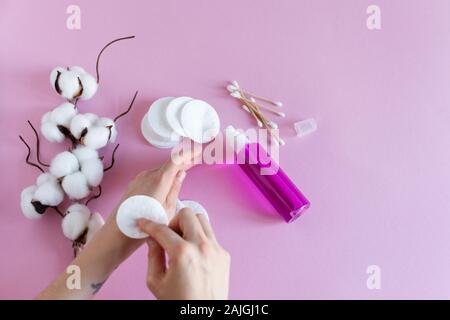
[
  {"x": 64, "y": 164},
  {"x": 44, "y": 178},
  {"x": 78, "y": 207},
  {"x": 75, "y": 221},
  {"x": 78, "y": 124},
  {"x": 77, "y": 70},
  {"x": 49, "y": 194},
  {"x": 51, "y": 132},
  {"x": 96, "y": 138},
  {"x": 76, "y": 186},
  {"x": 107, "y": 122},
  {"x": 46, "y": 117},
  {"x": 92, "y": 117},
  {"x": 69, "y": 85},
  {"x": 63, "y": 114},
  {"x": 96, "y": 222},
  {"x": 25, "y": 203},
  {"x": 83, "y": 153},
  {"x": 93, "y": 171},
  {"x": 89, "y": 86}
]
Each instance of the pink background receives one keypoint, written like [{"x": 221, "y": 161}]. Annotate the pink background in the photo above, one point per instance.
[{"x": 377, "y": 171}]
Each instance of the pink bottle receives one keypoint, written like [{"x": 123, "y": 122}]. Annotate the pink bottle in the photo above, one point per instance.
[{"x": 268, "y": 177}]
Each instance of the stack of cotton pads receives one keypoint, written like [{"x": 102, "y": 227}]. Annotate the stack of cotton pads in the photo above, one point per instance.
[{"x": 170, "y": 119}]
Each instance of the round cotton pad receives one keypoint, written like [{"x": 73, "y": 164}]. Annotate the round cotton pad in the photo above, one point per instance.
[
  {"x": 138, "y": 207},
  {"x": 195, "y": 206},
  {"x": 153, "y": 138},
  {"x": 200, "y": 121},
  {"x": 173, "y": 114},
  {"x": 158, "y": 121}
]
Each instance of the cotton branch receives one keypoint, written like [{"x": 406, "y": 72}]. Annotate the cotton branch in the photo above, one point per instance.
[
  {"x": 113, "y": 159},
  {"x": 98, "y": 195},
  {"x": 58, "y": 211},
  {"x": 38, "y": 146},
  {"x": 128, "y": 110},
  {"x": 104, "y": 48},
  {"x": 27, "y": 160}
]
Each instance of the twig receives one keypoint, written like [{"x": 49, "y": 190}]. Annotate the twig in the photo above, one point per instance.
[
  {"x": 113, "y": 159},
  {"x": 96, "y": 196},
  {"x": 106, "y": 46},
  {"x": 38, "y": 146},
  {"x": 27, "y": 160},
  {"x": 128, "y": 110},
  {"x": 58, "y": 211},
  {"x": 79, "y": 243}
]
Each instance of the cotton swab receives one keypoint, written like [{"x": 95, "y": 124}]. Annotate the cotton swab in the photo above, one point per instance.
[{"x": 234, "y": 86}]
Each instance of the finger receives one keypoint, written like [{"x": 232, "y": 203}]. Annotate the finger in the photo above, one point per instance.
[
  {"x": 163, "y": 235},
  {"x": 187, "y": 224},
  {"x": 174, "y": 191},
  {"x": 182, "y": 157},
  {"x": 156, "y": 260},
  {"x": 206, "y": 225}
]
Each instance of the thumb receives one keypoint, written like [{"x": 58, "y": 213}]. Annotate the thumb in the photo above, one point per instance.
[{"x": 156, "y": 262}]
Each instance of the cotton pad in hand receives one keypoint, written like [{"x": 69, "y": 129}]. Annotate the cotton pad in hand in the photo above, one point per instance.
[
  {"x": 158, "y": 121},
  {"x": 200, "y": 121},
  {"x": 138, "y": 207},
  {"x": 194, "y": 205},
  {"x": 173, "y": 114},
  {"x": 153, "y": 138}
]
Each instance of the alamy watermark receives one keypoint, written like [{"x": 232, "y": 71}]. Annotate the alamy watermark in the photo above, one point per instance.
[
  {"x": 73, "y": 21},
  {"x": 373, "y": 282},
  {"x": 373, "y": 21},
  {"x": 251, "y": 147},
  {"x": 73, "y": 281}
]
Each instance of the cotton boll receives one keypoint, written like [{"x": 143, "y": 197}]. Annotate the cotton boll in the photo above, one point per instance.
[
  {"x": 90, "y": 86},
  {"x": 44, "y": 178},
  {"x": 78, "y": 207},
  {"x": 76, "y": 186},
  {"x": 75, "y": 221},
  {"x": 46, "y": 117},
  {"x": 69, "y": 85},
  {"x": 93, "y": 171},
  {"x": 113, "y": 136},
  {"x": 107, "y": 122},
  {"x": 78, "y": 125},
  {"x": 54, "y": 75},
  {"x": 27, "y": 207},
  {"x": 49, "y": 194},
  {"x": 96, "y": 138},
  {"x": 64, "y": 164},
  {"x": 63, "y": 114},
  {"x": 77, "y": 70},
  {"x": 51, "y": 132},
  {"x": 95, "y": 223},
  {"x": 84, "y": 153},
  {"x": 92, "y": 117}
]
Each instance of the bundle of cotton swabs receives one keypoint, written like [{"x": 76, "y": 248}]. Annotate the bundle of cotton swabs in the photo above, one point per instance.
[{"x": 252, "y": 104}]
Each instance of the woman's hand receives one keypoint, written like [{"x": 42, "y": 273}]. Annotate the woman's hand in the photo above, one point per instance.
[
  {"x": 198, "y": 267},
  {"x": 163, "y": 184},
  {"x": 110, "y": 247}
]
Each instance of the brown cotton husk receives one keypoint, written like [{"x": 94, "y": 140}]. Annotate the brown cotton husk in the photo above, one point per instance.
[{"x": 39, "y": 207}]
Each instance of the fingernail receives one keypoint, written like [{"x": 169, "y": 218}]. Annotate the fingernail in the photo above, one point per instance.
[{"x": 181, "y": 175}]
